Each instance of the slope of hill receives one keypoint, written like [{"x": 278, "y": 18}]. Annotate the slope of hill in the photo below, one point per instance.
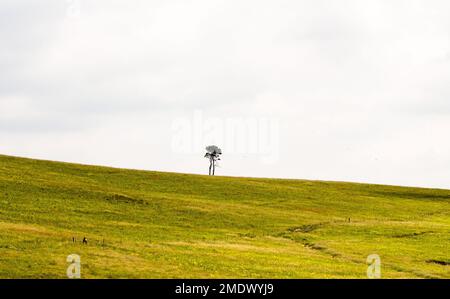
[{"x": 141, "y": 224}]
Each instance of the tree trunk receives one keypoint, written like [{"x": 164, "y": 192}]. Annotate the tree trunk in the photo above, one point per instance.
[
  {"x": 210, "y": 166},
  {"x": 214, "y": 167}
]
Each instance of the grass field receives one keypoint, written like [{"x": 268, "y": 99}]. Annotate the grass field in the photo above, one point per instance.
[{"x": 142, "y": 224}]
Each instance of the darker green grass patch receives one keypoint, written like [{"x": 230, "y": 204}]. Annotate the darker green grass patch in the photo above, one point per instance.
[
  {"x": 119, "y": 198},
  {"x": 439, "y": 262}
]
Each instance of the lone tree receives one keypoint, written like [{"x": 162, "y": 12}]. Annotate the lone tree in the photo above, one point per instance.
[{"x": 213, "y": 154}]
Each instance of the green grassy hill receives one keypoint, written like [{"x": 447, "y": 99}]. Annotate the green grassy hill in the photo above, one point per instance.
[{"x": 142, "y": 224}]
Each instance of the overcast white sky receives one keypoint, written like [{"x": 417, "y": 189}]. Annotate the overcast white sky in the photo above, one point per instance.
[{"x": 333, "y": 90}]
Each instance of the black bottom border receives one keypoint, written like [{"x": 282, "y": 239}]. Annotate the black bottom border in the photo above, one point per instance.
[{"x": 217, "y": 288}]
